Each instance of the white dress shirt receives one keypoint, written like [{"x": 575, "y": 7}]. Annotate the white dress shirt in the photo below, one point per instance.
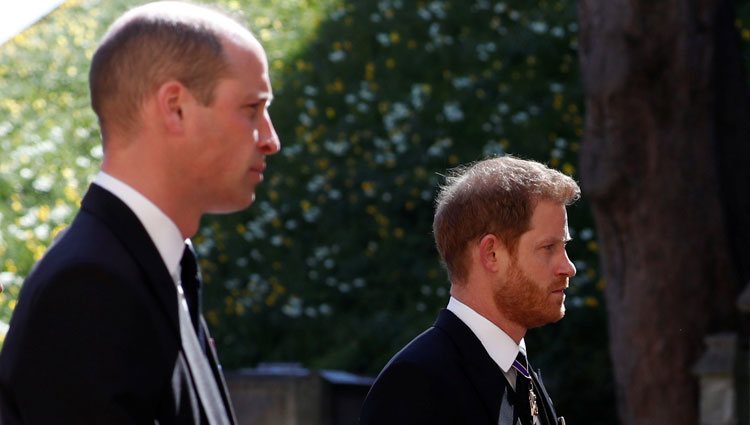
[
  {"x": 160, "y": 228},
  {"x": 498, "y": 344}
]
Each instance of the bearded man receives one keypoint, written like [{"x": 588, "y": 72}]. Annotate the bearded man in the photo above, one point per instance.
[{"x": 501, "y": 229}]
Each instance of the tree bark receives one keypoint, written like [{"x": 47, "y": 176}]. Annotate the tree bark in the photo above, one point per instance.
[{"x": 665, "y": 109}]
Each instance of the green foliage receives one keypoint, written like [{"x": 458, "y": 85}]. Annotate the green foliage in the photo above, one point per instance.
[
  {"x": 47, "y": 137},
  {"x": 334, "y": 265}
]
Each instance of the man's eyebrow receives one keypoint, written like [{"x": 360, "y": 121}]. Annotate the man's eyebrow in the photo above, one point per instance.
[
  {"x": 259, "y": 97},
  {"x": 550, "y": 240}
]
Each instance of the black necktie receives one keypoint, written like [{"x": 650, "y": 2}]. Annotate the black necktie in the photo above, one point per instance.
[
  {"x": 191, "y": 284},
  {"x": 194, "y": 345}
]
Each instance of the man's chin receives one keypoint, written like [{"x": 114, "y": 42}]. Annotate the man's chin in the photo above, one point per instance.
[{"x": 235, "y": 206}]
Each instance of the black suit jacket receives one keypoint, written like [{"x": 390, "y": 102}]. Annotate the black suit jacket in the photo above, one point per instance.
[
  {"x": 442, "y": 377},
  {"x": 94, "y": 338}
]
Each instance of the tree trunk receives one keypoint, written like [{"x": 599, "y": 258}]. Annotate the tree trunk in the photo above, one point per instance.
[{"x": 665, "y": 109}]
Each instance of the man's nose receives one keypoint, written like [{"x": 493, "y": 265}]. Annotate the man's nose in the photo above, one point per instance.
[
  {"x": 268, "y": 140},
  {"x": 567, "y": 268}
]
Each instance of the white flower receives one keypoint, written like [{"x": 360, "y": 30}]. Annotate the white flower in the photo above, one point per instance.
[
  {"x": 538, "y": 27},
  {"x": 453, "y": 112},
  {"x": 337, "y": 56},
  {"x": 43, "y": 183}
]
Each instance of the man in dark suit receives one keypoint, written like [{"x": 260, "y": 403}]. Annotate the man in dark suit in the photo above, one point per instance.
[
  {"x": 501, "y": 228},
  {"x": 108, "y": 328}
]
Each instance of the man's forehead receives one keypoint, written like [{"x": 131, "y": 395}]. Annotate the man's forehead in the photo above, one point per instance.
[{"x": 549, "y": 216}]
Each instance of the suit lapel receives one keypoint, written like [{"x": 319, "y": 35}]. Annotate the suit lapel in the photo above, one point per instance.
[
  {"x": 125, "y": 225},
  {"x": 484, "y": 374},
  {"x": 548, "y": 408}
]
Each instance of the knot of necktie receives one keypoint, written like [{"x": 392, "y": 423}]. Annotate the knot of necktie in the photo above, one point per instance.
[
  {"x": 191, "y": 285},
  {"x": 521, "y": 364},
  {"x": 188, "y": 264}
]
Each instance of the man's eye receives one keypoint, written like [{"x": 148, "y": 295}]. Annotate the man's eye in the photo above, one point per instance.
[{"x": 252, "y": 109}]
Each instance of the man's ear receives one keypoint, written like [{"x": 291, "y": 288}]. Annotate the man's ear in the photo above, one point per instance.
[
  {"x": 170, "y": 102},
  {"x": 492, "y": 253}
]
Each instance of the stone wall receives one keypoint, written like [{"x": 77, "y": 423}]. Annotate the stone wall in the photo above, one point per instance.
[{"x": 287, "y": 394}]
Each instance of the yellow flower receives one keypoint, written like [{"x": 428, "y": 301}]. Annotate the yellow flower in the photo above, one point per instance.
[
  {"x": 568, "y": 169},
  {"x": 592, "y": 246},
  {"x": 42, "y": 213},
  {"x": 59, "y": 228},
  {"x": 369, "y": 71},
  {"x": 213, "y": 317},
  {"x": 39, "y": 104},
  {"x": 302, "y": 65},
  {"x": 10, "y": 266},
  {"x": 38, "y": 251},
  {"x": 591, "y": 302},
  {"x": 71, "y": 193},
  {"x": 265, "y": 34},
  {"x": 558, "y": 101}
]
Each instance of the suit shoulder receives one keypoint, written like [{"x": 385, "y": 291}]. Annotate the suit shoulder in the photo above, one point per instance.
[
  {"x": 433, "y": 348},
  {"x": 86, "y": 246},
  {"x": 414, "y": 386}
]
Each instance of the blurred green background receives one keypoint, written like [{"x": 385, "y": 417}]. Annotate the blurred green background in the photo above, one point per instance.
[{"x": 334, "y": 266}]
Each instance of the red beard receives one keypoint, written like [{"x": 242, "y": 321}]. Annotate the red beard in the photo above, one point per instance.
[{"x": 528, "y": 303}]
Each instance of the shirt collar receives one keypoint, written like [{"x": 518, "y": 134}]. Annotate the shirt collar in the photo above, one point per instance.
[
  {"x": 499, "y": 345},
  {"x": 160, "y": 228}
]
